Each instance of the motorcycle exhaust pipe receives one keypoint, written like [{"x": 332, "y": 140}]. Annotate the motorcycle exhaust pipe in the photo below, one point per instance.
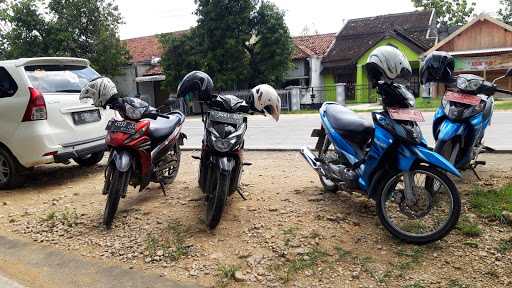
[{"x": 311, "y": 159}]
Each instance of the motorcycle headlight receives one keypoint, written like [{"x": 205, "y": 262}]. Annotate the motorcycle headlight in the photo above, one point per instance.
[
  {"x": 225, "y": 144},
  {"x": 222, "y": 145},
  {"x": 473, "y": 110},
  {"x": 468, "y": 84},
  {"x": 409, "y": 132}
]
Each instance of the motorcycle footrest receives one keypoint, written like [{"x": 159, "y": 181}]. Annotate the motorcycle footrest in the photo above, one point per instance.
[
  {"x": 247, "y": 164},
  {"x": 196, "y": 157},
  {"x": 488, "y": 149},
  {"x": 477, "y": 163}
]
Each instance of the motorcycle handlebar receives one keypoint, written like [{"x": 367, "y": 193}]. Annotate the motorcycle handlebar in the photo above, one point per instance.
[{"x": 504, "y": 91}]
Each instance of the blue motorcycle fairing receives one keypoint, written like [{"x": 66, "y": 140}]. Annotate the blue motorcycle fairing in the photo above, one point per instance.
[
  {"x": 409, "y": 155},
  {"x": 340, "y": 144},
  {"x": 449, "y": 129},
  {"x": 381, "y": 142}
]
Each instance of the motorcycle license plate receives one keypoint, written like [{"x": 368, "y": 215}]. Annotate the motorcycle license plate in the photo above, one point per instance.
[
  {"x": 406, "y": 114},
  {"x": 223, "y": 117},
  {"x": 121, "y": 126},
  {"x": 462, "y": 98}
]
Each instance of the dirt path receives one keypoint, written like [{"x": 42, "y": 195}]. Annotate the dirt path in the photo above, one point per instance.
[{"x": 288, "y": 233}]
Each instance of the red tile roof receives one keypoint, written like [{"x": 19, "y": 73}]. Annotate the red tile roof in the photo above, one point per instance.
[
  {"x": 312, "y": 45},
  {"x": 143, "y": 49}
]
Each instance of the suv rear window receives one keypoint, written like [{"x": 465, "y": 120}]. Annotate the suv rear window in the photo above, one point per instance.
[
  {"x": 8, "y": 86},
  {"x": 60, "y": 78}
]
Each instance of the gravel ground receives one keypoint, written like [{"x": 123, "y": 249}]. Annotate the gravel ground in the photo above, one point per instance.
[{"x": 287, "y": 234}]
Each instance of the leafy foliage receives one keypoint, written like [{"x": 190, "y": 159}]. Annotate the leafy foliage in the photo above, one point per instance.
[
  {"x": 74, "y": 28},
  {"x": 449, "y": 12},
  {"x": 238, "y": 43},
  {"x": 505, "y": 11}
]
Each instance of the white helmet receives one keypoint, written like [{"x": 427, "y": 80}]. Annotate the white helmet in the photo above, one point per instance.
[
  {"x": 100, "y": 90},
  {"x": 267, "y": 100},
  {"x": 387, "y": 63}
]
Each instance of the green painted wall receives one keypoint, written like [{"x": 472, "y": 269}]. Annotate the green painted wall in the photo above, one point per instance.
[
  {"x": 363, "y": 90},
  {"x": 330, "y": 87}
]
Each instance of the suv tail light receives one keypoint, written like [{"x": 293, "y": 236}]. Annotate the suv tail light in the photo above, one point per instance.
[{"x": 36, "y": 108}]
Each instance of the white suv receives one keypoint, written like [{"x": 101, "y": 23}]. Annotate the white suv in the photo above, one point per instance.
[{"x": 42, "y": 119}]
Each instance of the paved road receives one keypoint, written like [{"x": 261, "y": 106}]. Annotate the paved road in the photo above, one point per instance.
[
  {"x": 42, "y": 266},
  {"x": 293, "y": 131}
]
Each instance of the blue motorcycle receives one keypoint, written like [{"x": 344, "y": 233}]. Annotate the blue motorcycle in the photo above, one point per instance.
[
  {"x": 461, "y": 120},
  {"x": 389, "y": 162}
]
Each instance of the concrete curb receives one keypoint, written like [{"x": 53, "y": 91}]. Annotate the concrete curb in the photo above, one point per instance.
[
  {"x": 269, "y": 149},
  {"x": 42, "y": 266}
]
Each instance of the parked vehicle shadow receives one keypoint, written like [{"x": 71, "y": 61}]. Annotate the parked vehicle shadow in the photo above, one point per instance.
[{"x": 57, "y": 175}]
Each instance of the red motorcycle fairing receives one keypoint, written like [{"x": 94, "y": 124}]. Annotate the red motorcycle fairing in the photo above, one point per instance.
[{"x": 138, "y": 142}]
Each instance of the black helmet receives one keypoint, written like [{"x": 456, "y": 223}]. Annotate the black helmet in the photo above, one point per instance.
[
  {"x": 437, "y": 67},
  {"x": 199, "y": 84}
]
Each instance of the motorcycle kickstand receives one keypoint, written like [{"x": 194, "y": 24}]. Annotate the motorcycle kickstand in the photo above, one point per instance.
[
  {"x": 241, "y": 194},
  {"x": 476, "y": 174},
  {"x": 162, "y": 185}
]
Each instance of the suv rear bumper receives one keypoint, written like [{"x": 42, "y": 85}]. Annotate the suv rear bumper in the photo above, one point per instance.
[{"x": 80, "y": 149}]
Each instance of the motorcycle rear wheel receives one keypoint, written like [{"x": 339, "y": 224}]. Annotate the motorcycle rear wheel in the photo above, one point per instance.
[
  {"x": 118, "y": 186},
  {"x": 217, "y": 197}
]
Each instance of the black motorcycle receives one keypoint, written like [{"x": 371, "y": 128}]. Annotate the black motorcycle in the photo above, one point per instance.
[
  {"x": 225, "y": 123},
  {"x": 221, "y": 161}
]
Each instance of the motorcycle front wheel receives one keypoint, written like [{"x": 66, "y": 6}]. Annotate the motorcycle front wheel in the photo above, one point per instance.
[
  {"x": 426, "y": 218},
  {"x": 118, "y": 184},
  {"x": 218, "y": 189}
]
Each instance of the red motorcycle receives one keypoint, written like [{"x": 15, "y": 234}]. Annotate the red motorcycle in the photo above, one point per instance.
[{"x": 144, "y": 147}]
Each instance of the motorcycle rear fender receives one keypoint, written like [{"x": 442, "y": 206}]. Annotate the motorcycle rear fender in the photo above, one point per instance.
[
  {"x": 409, "y": 156},
  {"x": 122, "y": 159}
]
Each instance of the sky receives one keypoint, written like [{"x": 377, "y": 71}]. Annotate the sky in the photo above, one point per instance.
[{"x": 149, "y": 17}]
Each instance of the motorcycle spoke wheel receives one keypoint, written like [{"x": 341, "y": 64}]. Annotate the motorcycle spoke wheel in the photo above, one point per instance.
[{"x": 429, "y": 215}]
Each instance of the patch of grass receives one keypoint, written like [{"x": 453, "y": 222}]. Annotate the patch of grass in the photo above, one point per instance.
[
  {"x": 303, "y": 262},
  {"x": 472, "y": 244},
  {"x": 302, "y": 111},
  {"x": 455, "y": 283},
  {"x": 51, "y": 216},
  {"x": 290, "y": 233},
  {"x": 469, "y": 228},
  {"x": 416, "y": 284},
  {"x": 171, "y": 242},
  {"x": 341, "y": 252},
  {"x": 493, "y": 202},
  {"x": 67, "y": 217},
  {"x": 427, "y": 103},
  {"x": 505, "y": 246},
  {"x": 227, "y": 272},
  {"x": 417, "y": 227},
  {"x": 503, "y": 105}
]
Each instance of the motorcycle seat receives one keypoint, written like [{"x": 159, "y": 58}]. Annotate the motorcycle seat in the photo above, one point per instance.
[
  {"x": 162, "y": 128},
  {"x": 343, "y": 119}
]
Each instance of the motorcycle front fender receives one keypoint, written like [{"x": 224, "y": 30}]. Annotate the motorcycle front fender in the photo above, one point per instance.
[
  {"x": 409, "y": 156},
  {"x": 122, "y": 159},
  {"x": 449, "y": 129},
  {"x": 225, "y": 164}
]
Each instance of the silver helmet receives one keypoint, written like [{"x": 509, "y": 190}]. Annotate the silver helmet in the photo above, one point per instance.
[
  {"x": 387, "y": 63},
  {"x": 100, "y": 90}
]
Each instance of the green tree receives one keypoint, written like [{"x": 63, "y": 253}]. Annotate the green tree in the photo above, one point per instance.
[
  {"x": 183, "y": 54},
  {"x": 239, "y": 43},
  {"x": 270, "y": 51},
  {"x": 74, "y": 28},
  {"x": 449, "y": 12},
  {"x": 505, "y": 11}
]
